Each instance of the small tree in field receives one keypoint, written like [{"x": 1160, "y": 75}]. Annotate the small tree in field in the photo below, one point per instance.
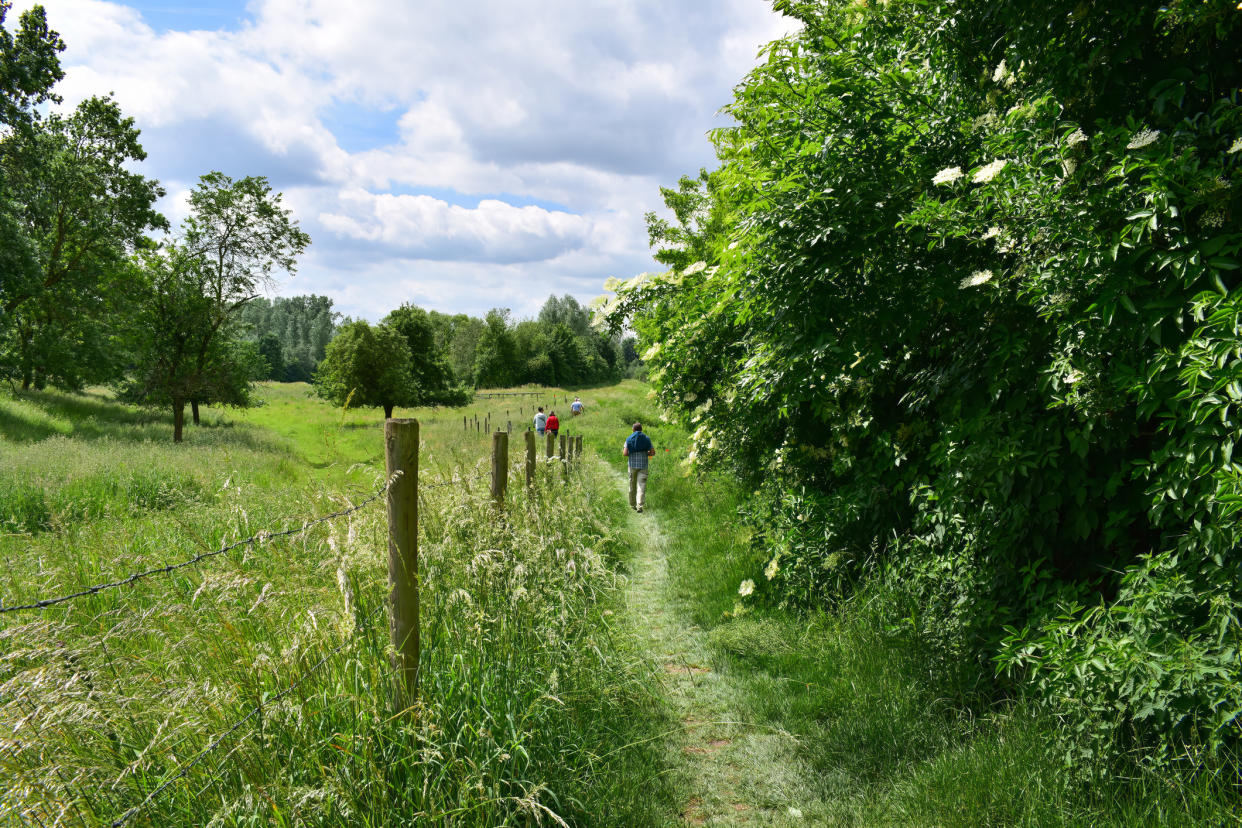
[{"x": 367, "y": 366}]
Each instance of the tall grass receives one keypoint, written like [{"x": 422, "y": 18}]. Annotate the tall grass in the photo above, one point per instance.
[{"x": 534, "y": 707}]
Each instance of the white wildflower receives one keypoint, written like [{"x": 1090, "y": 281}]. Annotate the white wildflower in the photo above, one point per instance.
[
  {"x": 1072, "y": 376},
  {"x": 948, "y": 175},
  {"x": 976, "y": 278},
  {"x": 992, "y": 233},
  {"x": 1237, "y": 147},
  {"x": 689, "y": 397},
  {"x": 1215, "y": 218},
  {"x": 1147, "y": 136},
  {"x": 1001, "y": 72},
  {"x": 612, "y": 283},
  {"x": 987, "y": 119},
  {"x": 652, "y": 352},
  {"x": 772, "y": 568},
  {"x": 1076, "y": 137},
  {"x": 747, "y": 588},
  {"x": 796, "y": 813},
  {"x": 695, "y": 268},
  {"x": 1067, "y": 167},
  {"x": 989, "y": 171}
]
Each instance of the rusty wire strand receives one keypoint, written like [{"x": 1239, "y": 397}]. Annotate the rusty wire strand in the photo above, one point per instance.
[{"x": 261, "y": 537}]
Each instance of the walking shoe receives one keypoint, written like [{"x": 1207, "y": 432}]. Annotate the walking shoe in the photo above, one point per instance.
[{"x": 640, "y": 510}]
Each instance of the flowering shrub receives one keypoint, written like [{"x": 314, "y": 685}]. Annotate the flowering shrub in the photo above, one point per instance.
[{"x": 970, "y": 324}]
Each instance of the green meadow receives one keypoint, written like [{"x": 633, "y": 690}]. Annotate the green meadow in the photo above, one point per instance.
[{"x": 534, "y": 706}]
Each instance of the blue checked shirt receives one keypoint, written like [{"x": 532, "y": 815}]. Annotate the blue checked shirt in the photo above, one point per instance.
[{"x": 638, "y": 444}]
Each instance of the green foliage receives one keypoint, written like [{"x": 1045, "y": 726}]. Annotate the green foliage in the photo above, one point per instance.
[
  {"x": 74, "y": 209},
  {"x": 302, "y": 326},
  {"x": 367, "y": 367},
  {"x": 970, "y": 326}
]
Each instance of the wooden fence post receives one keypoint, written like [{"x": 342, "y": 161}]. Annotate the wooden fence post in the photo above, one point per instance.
[
  {"x": 500, "y": 467},
  {"x": 530, "y": 458},
  {"x": 578, "y": 449},
  {"x": 551, "y": 443},
  {"x": 561, "y": 456},
  {"x": 401, "y": 455}
]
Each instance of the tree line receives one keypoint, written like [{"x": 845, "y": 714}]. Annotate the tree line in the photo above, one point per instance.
[
  {"x": 416, "y": 357},
  {"x": 962, "y": 302}
]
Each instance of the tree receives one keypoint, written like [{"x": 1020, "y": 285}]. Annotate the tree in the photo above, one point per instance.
[
  {"x": 433, "y": 379},
  {"x": 29, "y": 66},
  {"x": 241, "y": 236},
  {"x": 272, "y": 353},
  {"x": 75, "y": 209},
  {"x": 495, "y": 359},
  {"x": 171, "y": 365},
  {"x": 365, "y": 367}
]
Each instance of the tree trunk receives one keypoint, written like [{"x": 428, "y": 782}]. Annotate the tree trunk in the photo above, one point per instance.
[
  {"x": 26, "y": 380},
  {"x": 178, "y": 419},
  {"x": 194, "y": 410},
  {"x": 388, "y": 412}
]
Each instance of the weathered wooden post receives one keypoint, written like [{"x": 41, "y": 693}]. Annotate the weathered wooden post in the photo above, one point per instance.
[
  {"x": 464, "y": 426},
  {"x": 561, "y": 456},
  {"x": 500, "y": 467},
  {"x": 530, "y": 458},
  {"x": 578, "y": 449},
  {"x": 401, "y": 455},
  {"x": 551, "y": 443}
]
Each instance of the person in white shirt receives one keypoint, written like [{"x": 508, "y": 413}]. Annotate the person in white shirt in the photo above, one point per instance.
[
  {"x": 576, "y": 408},
  {"x": 540, "y": 419}
]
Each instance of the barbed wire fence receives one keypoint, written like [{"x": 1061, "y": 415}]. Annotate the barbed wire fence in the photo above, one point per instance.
[{"x": 402, "y": 539}]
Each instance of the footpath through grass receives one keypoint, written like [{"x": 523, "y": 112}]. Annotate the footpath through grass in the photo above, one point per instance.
[{"x": 255, "y": 686}]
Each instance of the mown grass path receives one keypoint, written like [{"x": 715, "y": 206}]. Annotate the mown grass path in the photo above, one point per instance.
[{"x": 733, "y": 771}]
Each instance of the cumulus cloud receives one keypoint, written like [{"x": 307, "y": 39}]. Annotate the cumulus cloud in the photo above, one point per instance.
[{"x": 589, "y": 106}]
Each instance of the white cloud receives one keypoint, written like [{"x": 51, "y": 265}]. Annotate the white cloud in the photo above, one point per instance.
[{"x": 590, "y": 106}]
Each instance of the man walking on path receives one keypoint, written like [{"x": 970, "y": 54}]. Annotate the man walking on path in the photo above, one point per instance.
[
  {"x": 576, "y": 408},
  {"x": 541, "y": 420},
  {"x": 638, "y": 447}
]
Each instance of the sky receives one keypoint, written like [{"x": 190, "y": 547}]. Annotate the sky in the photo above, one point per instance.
[{"x": 459, "y": 155}]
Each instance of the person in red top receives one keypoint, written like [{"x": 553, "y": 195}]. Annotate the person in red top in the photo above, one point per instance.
[{"x": 553, "y": 424}]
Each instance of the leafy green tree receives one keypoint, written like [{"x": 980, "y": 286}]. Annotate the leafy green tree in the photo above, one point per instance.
[
  {"x": 273, "y": 355},
  {"x": 495, "y": 359},
  {"x": 242, "y": 237},
  {"x": 433, "y": 379},
  {"x": 700, "y": 219},
  {"x": 303, "y": 325},
  {"x": 29, "y": 65},
  {"x": 366, "y": 367},
  {"x": 171, "y": 362},
  {"x": 76, "y": 208}
]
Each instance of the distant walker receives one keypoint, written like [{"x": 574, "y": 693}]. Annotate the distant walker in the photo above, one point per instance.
[{"x": 638, "y": 448}]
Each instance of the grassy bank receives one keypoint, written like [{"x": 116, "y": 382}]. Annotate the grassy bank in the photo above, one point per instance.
[{"x": 256, "y": 684}]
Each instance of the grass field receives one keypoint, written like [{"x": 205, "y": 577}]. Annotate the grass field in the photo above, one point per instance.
[
  {"x": 533, "y": 709},
  {"x": 255, "y": 685}
]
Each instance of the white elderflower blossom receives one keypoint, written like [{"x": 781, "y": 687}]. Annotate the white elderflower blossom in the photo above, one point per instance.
[
  {"x": 772, "y": 568},
  {"x": 612, "y": 283},
  {"x": 948, "y": 175},
  {"x": 1076, "y": 137},
  {"x": 1001, "y": 72},
  {"x": 1068, "y": 166},
  {"x": 1215, "y": 218},
  {"x": 1237, "y": 146},
  {"x": 651, "y": 352},
  {"x": 992, "y": 233},
  {"x": 1147, "y": 136},
  {"x": 695, "y": 268},
  {"x": 989, "y": 171},
  {"x": 747, "y": 588},
  {"x": 975, "y": 279}
]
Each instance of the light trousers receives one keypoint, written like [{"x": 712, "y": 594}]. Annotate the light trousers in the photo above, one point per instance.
[{"x": 638, "y": 488}]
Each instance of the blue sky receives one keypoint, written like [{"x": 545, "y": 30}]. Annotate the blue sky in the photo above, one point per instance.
[{"x": 461, "y": 156}]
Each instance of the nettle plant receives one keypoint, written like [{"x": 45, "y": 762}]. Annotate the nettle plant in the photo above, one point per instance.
[{"x": 968, "y": 322}]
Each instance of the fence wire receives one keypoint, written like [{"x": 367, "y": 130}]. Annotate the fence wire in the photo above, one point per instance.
[
  {"x": 261, "y": 537},
  {"x": 254, "y": 711}
]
